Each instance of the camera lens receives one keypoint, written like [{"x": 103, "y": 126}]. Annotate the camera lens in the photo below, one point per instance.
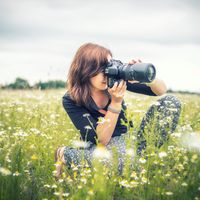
[
  {"x": 150, "y": 73},
  {"x": 142, "y": 72}
]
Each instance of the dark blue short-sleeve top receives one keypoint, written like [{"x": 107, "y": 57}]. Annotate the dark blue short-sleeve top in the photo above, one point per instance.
[{"x": 85, "y": 118}]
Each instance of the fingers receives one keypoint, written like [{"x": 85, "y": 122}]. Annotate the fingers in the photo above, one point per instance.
[
  {"x": 123, "y": 90},
  {"x": 118, "y": 88},
  {"x": 114, "y": 86},
  {"x": 118, "y": 91},
  {"x": 121, "y": 83},
  {"x": 134, "y": 61},
  {"x": 133, "y": 81},
  {"x": 122, "y": 86}
]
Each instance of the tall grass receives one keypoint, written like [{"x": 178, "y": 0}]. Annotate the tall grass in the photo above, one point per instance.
[{"x": 33, "y": 124}]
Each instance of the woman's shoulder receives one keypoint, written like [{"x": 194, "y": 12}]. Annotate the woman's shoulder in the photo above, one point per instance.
[
  {"x": 67, "y": 96},
  {"x": 66, "y": 99},
  {"x": 69, "y": 104}
]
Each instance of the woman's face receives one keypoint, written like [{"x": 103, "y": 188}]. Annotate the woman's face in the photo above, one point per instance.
[{"x": 99, "y": 82}]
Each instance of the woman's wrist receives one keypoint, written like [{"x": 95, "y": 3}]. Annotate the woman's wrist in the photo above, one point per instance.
[
  {"x": 115, "y": 104},
  {"x": 151, "y": 83},
  {"x": 115, "y": 107},
  {"x": 114, "y": 110}
]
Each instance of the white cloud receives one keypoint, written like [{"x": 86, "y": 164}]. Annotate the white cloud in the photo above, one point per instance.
[{"x": 39, "y": 38}]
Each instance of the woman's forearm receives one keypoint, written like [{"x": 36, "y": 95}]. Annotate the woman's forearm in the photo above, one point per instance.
[
  {"x": 106, "y": 128},
  {"x": 158, "y": 87}
]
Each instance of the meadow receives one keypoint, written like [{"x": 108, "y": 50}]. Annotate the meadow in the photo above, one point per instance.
[{"x": 33, "y": 124}]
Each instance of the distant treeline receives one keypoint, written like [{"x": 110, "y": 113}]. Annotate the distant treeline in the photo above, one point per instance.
[
  {"x": 182, "y": 92},
  {"x": 21, "y": 83}
]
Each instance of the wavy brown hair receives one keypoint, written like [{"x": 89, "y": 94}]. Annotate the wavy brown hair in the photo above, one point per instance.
[{"x": 88, "y": 61}]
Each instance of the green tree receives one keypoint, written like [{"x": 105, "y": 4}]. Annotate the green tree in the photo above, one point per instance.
[
  {"x": 50, "y": 84},
  {"x": 19, "y": 83}
]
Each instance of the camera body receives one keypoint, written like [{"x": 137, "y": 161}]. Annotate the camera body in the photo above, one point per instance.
[{"x": 115, "y": 70}]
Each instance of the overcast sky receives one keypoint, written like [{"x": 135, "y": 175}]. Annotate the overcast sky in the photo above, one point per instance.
[{"x": 38, "y": 38}]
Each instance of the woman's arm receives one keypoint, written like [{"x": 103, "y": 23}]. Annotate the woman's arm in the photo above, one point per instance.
[
  {"x": 107, "y": 127},
  {"x": 91, "y": 129},
  {"x": 158, "y": 87},
  {"x": 81, "y": 119}
]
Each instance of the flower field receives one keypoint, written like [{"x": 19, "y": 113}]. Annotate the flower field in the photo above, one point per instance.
[{"x": 33, "y": 124}]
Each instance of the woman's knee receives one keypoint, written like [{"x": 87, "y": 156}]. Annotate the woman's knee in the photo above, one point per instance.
[{"x": 170, "y": 101}]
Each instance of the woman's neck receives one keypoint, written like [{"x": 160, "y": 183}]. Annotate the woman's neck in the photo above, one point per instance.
[
  {"x": 100, "y": 98},
  {"x": 97, "y": 93}
]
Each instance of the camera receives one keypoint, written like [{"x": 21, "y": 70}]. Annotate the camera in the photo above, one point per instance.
[{"x": 115, "y": 70}]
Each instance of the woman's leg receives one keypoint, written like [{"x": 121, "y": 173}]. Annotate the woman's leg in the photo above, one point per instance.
[
  {"x": 119, "y": 144},
  {"x": 75, "y": 155},
  {"x": 162, "y": 118},
  {"x": 68, "y": 155}
]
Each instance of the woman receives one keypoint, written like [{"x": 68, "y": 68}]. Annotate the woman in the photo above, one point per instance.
[{"x": 89, "y": 99}]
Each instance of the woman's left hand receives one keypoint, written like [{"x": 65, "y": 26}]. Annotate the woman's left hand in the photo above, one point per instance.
[{"x": 133, "y": 62}]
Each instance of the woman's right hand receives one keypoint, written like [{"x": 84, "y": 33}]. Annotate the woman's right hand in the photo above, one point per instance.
[{"x": 117, "y": 92}]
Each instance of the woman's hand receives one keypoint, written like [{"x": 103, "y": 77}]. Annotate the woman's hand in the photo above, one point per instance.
[
  {"x": 117, "y": 92},
  {"x": 133, "y": 62}
]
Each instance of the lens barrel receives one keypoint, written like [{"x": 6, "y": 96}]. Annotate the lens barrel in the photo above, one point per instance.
[{"x": 142, "y": 72}]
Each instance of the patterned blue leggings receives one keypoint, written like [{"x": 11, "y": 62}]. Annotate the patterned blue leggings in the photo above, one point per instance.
[{"x": 164, "y": 114}]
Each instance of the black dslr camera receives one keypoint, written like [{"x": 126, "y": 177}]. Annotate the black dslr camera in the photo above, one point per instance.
[{"x": 115, "y": 70}]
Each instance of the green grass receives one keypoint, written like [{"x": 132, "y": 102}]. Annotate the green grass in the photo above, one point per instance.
[{"x": 33, "y": 124}]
